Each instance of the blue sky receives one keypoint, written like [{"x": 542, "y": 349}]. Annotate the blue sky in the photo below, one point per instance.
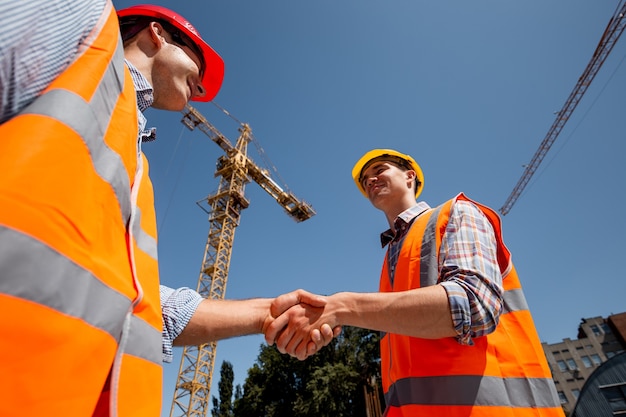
[{"x": 468, "y": 88}]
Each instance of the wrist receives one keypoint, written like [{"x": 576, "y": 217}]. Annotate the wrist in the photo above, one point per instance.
[{"x": 263, "y": 316}]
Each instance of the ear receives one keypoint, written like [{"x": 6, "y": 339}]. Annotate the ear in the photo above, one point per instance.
[
  {"x": 410, "y": 177},
  {"x": 156, "y": 34}
]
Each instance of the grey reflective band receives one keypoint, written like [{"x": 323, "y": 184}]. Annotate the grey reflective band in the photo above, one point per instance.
[
  {"x": 477, "y": 390},
  {"x": 145, "y": 242},
  {"x": 144, "y": 341},
  {"x": 429, "y": 264},
  {"x": 514, "y": 300},
  {"x": 56, "y": 282}
]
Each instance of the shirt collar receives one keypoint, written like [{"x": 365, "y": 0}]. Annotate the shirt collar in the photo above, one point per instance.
[
  {"x": 145, "y": 98},
  {"x": 406, "y": 216},
  {"x": 143, "y": 89}
]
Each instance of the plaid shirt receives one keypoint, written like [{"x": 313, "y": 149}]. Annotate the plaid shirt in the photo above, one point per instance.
[{"x": 468, "y": 267}]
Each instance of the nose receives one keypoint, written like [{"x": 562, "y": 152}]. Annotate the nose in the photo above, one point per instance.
[
  {"x": 367, "y": 181},
  {"x": 200, "y": 91}
]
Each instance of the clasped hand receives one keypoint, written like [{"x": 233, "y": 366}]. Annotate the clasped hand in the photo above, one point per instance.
[{"x": 297, "y": 324}]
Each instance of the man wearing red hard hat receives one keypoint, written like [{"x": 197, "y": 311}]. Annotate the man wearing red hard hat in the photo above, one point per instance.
[{"x": 86, "y": 324}]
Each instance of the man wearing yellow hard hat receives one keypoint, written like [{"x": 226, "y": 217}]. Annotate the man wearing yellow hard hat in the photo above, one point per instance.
[{"x": 457, "y": 336}]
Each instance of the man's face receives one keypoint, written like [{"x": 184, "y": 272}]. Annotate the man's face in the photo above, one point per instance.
[
  {"x": 383, "y": 180},
  {"x": 175, "y": 74}
]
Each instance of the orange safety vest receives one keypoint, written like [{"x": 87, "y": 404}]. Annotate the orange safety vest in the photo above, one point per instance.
[
  {"x": 503, "y": 374},
  {"x": 80, "y": 332}
]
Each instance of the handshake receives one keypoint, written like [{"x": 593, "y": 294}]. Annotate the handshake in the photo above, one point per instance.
[{"x": 300, "y": 324}]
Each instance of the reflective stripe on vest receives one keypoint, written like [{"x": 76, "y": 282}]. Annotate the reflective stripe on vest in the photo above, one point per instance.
[
  {"x": 77, "y": 293},
  {"x": 89, "y": 120},
  {"x": 419, "y": 374},
  {"x": 475, "y": 390}
]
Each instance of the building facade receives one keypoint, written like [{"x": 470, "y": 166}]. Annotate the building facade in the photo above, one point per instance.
[{"x": 573, "y": 361}]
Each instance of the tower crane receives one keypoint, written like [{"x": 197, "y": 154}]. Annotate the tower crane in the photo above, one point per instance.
[
  {"x": 235, "y": 169},
  {"x": 610, "y": 36}
]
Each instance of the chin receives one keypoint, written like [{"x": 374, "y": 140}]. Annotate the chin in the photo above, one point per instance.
[{"x": 170, "y": 105}]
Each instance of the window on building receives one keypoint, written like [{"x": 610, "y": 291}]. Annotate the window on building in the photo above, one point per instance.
[
  {"x": 555, "y": 352},
  {"x": 586, "y": 361},
  {"x": 595, "y": 329},
  {"x": 562, "y": 365},
  {"x": 596, "y": 359},
  {"x": 615, "y": 394},
  {"x": 609, "y": 355},
  {"x": 571, "y": 364},
  {"x": 579, "y": 348},
  {"x": 562, "y": 397},
  {"x": 605, "y": 328},
  {"x": 576, "y": 393}
]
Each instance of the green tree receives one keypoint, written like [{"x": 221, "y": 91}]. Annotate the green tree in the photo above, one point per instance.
[
  {"x": 330, "y": 383},
  {"x": 224, "y": 406}
]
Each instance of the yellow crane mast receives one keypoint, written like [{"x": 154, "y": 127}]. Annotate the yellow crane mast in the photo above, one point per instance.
[{"x": 235, "y": 169}]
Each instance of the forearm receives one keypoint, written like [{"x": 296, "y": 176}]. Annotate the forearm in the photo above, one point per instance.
[
  {"x": 221, "y": 319},
  {"x": 422, "y": 312}
]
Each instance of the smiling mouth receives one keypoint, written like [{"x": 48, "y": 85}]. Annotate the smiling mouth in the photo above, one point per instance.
[{"x": 374, "y": 188}]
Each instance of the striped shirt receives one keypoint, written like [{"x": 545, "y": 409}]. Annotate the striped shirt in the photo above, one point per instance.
[
  {"x": 177, "y": 307},
  {"x": 468, "y": 268},
  {"x": 38, "y": 41}
]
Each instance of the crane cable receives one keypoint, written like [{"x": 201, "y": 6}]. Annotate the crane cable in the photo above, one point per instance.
[
  {"x": 259, "y": 149},
  {"x": 575, "y": 128},
  {"x": 267, "y": 163},
  {"x": 177, "y": 179},
  {"x": 609, "y": 38}
]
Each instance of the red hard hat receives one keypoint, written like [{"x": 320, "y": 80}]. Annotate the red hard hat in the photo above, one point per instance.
[{"x": 214, "y": 64}]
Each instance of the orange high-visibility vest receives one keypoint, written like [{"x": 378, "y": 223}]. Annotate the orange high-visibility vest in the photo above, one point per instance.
[
  {"x": 80, "y": 332},
  {"x": 503, "y": 374}
]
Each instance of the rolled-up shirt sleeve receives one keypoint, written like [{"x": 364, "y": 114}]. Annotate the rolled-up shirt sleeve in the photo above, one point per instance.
[
  {"x": 470, "y": 273},
  {"x": 177, "y": 307}
]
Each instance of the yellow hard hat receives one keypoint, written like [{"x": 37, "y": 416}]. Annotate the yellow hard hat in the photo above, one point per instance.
[{"x": 387, "y": 155}]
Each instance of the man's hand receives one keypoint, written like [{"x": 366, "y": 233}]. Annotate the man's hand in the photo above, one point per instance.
[{"x": 297, "y": 328}]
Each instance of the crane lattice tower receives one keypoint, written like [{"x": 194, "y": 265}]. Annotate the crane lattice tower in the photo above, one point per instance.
[{"x": 235, "y": 169}]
